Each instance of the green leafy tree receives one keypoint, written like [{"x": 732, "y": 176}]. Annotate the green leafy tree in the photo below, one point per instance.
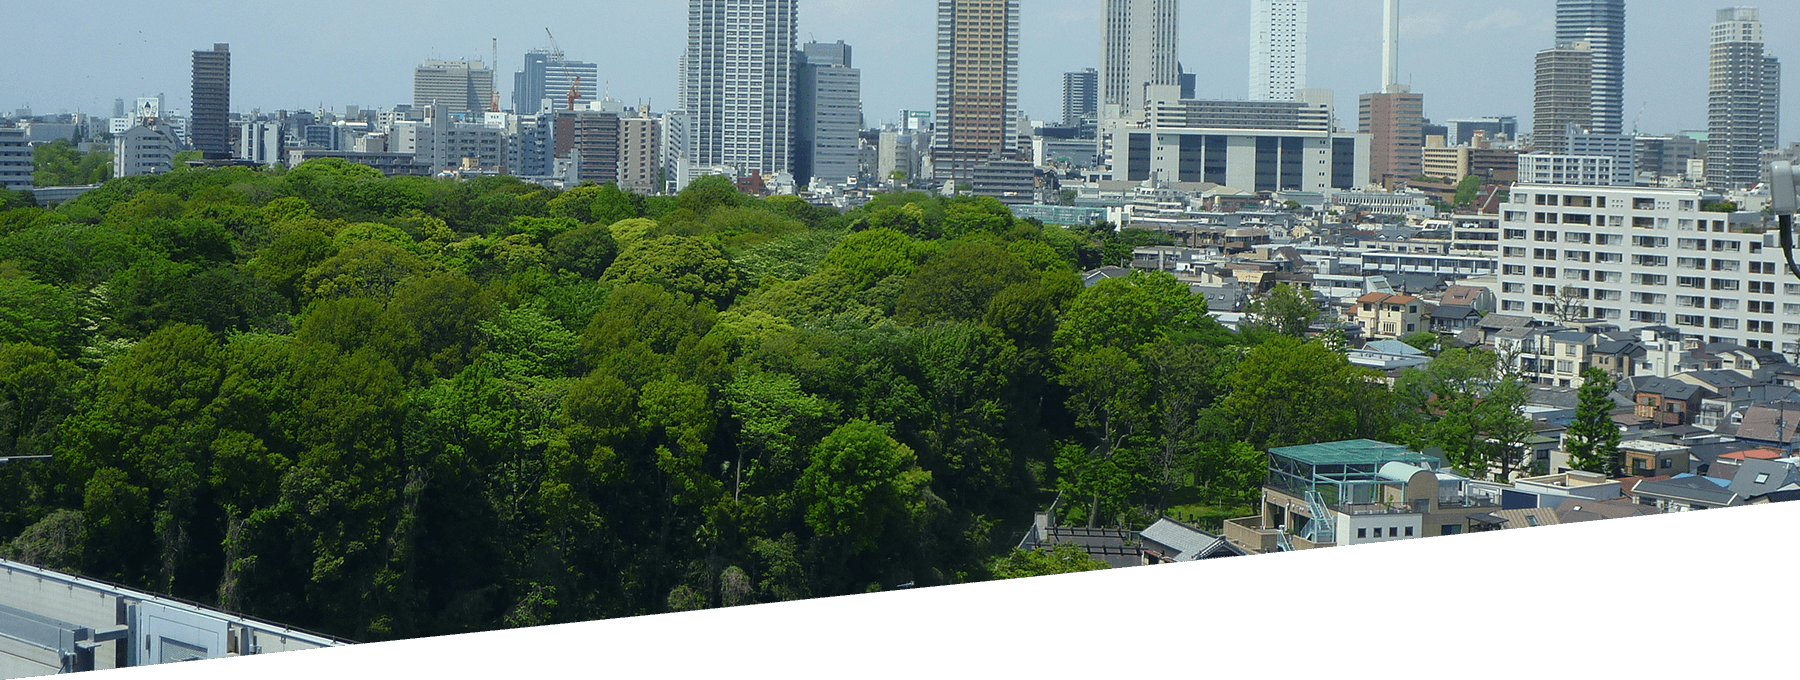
[
  {"x": 958, "y": 284},
  {"x": 683, "y": 264},
  {"x": 1593, "y": 438},
  {"x": 1286, "y": 310},
  {"x": 1468, "y": 190},
  {"x": 1470, "y": 408},
  {"x": 862, "y": 486},
  {"x": 1063, "y": 558},
  {"x": 1287, "y": 392}
]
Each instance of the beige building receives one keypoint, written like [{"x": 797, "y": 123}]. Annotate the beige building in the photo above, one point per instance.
[
  {"x": 1390, "y": 316},
  {"x": 1498, "y": 165},
  {"x": 640, "y": 153}
]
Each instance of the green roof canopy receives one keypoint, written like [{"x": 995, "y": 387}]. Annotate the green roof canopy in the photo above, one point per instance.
[{"x": 1355, "y": 452}]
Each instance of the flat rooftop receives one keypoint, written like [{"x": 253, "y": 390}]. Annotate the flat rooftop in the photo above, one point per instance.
[{"x": 1355, "y": 452}]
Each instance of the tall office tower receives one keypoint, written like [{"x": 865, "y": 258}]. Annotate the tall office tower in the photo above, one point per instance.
[
  {"x": 1601, "y": 24},
  {"x": 1277, "y": 49},
  {"x": 829, "y": 110},
  {"x": 977, "y": 86},
  {"x": 456, "y": 87},
  {"x": 1138, "y": 50},
  {"x": 1743, "y": 101},
  {"x": 737, "y": 84},
  {"x": 1081, "y": 97},
  {"x": 1564, "y": 96},
  {"x": 545, "y": 76},
  {"x": 208, "y": 120},
  {"x": 1395, "y": 123}
]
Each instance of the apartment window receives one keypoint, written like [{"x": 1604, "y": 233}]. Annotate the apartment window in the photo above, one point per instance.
[
  {"x": 1762, "y": 287},
  {"x": 1650, "y": 260},
  {"x": 1692, "y": 321},
  {"x": 1513, "y": 269},
  {"x": 1650, "y": 241},
  {"x": 1393, "y": 532},
  {"x": 1362, "y": 533},
  {"x": 1651, "y": 280},
  {"x": 1725, "y": 284},
  {"x": 1576, "y": 237},
  {"x": 1726, "y": 246},
  {"x": 1761, "y": 307},
  {"x": 1515, "y": 252},
  {"x": 1512, "y": 305},
  {"x": 1514, "y": 234},
  {"x": 1378, "y": 532},
  {"x": 1609, "y": 239},
  {"x": 1451, "y": 529},
  {"x": 1762, "y": 267},
  {"x": 1520, "y": 288},
  {"x": 1761, "y": 326},
  {"x": 1690, "y": 244},
  {"x": 1409, "y": 530},
  {"x": 1724, "y": 265}
]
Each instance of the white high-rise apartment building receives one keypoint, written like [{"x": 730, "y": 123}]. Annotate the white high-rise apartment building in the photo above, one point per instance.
[
  {"x": 1138, "y": 49},
  {"x": 15, "y": 160},
  {"x": 737, "y": 85},
  {"x": 1743, "y": 101},
  {"x": 1277, "y": 49},
  {"x": 1639, "y": 256}
]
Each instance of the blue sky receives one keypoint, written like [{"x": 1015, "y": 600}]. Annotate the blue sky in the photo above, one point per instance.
[{"x": 1469, "y": 57}]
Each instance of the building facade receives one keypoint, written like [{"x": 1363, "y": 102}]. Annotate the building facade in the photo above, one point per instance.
[
  {"x": 546, "y": 80},
  {"x": 1571, "y": 170},
  {"x": 145, "y": 150},
  {"x": 640, "y": 153},
  {"x": 1601, "y": 24},
  {"x": 829, "y": 108},
  {"x": 1277, "y": 49},
  {"x": 1081, "y": 97},
  {"x": 208, "y": 120},
  {"x": 1254, "y": 146},
  {"x": 1138, "y": 49},
  {"x": 15, "y": 160},
  {"x": 1563, "y": 96},
  {"x": 262, "y": 142},
  {"x": 977, "y": 86},
  {"x": 1395, "y": 123},
  {"x": 1646, "y": 256},
  {"x": 1463, "y": 130},
  {"x": 461, "y": 88},
  {"x": 737, "y": 85},
  {"x": 1743, "y": 101}
]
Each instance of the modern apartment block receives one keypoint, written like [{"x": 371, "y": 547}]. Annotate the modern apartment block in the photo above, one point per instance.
[
  {"x": 977, "y": 86},
  {"x": 1395, "y": 123},
  {"x": 1138, "y": 49},
  {"x": 1081, "y": 97},
  {"x": 262, "y": 142},
  {"x": 1564, "y": 96},
  {"x": 1743, "y": 101},
  {"x": 209, "y": 119},
  {"x": 640, "y": 153},
  {"x": 460, "y": 88},
  {"x": 737, "y": 85},
  {"x": 1255, "y": 146},
  {"x": 145, "y": 150},
  {"x": 1570, "y": 170},
  {"x": 1601, "y": 24},
  {"x": 15, "y": 160},
  {"x": 1277, "y": 49},
  {"x": 1647, "y": 256},
  {"x": 547, "y": 78},
  {"x": 829, "y": 110}
]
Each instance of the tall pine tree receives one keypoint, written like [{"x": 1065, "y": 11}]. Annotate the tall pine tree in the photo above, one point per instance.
[{"x": 1593, "y": 439}]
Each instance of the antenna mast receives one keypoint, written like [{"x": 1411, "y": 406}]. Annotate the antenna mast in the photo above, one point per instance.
[{"x": 494, "y": 82}]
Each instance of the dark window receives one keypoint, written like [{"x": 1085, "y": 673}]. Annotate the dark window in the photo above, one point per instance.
[
  {"x": 1268, "y": 164},
  {"x": 1343, "y": 164},
  {"x": 1216, "y": 159},
  {"x": 1293, "y": 155},
  {"x": 1378, "y": 532},
  {"x": 1137, "y": 167},
  {"x": 1409, "y": 531},
  {"x": 1362, "y": 533},
  {"x": 1193, "y": 158}
]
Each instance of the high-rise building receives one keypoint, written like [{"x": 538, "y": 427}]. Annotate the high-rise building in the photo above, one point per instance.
[
  {"x": 1277, "y": 49},
  {"x": 737, "y": 85},
  {"x": 640, "y": 152},
  {"x": 1138, "y": 49},
  {"x": 15, "y": 160},
  {"x": 1394, "y": 119},
  {"x": 1743, "y": 101},
  {"x": 977, "y": 86},
  {"x": 1395, "y": 123},
  {"x": 262, "y": 142},
  {"x": 1081, "y": 97},
  {"x": 209, "y": 118},
  {"x": 1564, "y": 96},
  {"x": 549, "y": 76},
  {"x": 1601, "y": 24},
  {"x": 829, "y": 110},
  {"x": 457, "y": 87}
]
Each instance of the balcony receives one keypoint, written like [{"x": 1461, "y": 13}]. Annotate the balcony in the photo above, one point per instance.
[{"x": 1248, "y": 531}]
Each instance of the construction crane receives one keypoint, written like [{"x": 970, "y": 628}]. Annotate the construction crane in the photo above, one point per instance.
[{"x": 557, "y": 53}]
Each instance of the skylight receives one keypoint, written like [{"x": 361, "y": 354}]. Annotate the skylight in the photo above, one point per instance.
[{"x": 1762, "y": 478}]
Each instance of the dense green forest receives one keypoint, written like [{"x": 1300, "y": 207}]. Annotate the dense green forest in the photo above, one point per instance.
[{"x": 385, "y": 408}]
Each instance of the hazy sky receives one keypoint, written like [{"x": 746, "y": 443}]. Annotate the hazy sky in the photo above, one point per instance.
[{"x": 1469, "y": 57}]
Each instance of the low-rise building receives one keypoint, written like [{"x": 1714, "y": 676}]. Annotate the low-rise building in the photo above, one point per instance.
[
  {"x": 1683, "y": 493},
  {"x": 1382, "y": 315},
  {"x": 145, "y": 150},
  {"x": 15, "y": 160}
]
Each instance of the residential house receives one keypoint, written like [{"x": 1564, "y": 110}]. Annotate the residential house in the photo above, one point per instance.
[
  {"x": 1760, "y": 365},
  {"x": 1094, "y": 277},
  {"x": 1525, "y": 518},
  {"x": 1390, "y": 316},
  {"x": 1569, "y": 354},
  {"x": 1761, "y": 477},
  {"x": 1683, "y": 493},
  {"x": 1454, "y": 319},
  {"x": 1576, "y": 510},
  {"x": 1388, "y": 356},
  {"x": 1479, "y": 298},
  {"x": 1664, "y": 401},
  {"x": 1726, "y": 406},
  {"x": 1619, "y": 358},
  {"x": 1549, "y": 491},
  {"x": 1770, "y": 427},
  {"x": 1169, "y": 541},
  {"x": 1644, "y": 457},
  {"x": 1487, "y": 330},
  {"x": 1784, "y": 494}
]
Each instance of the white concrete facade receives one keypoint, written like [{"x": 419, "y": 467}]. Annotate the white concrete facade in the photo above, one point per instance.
[
  {"x": 15, "y": 160},
  {"x": 1138, "y": 48},
  {"x": 1277, "y": 49},
  {"x": 737, "y": 83},
  {"x": 1647, "y": 256}
]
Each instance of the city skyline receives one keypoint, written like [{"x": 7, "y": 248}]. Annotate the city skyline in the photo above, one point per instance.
[{"x": 1666, "y": 55}]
